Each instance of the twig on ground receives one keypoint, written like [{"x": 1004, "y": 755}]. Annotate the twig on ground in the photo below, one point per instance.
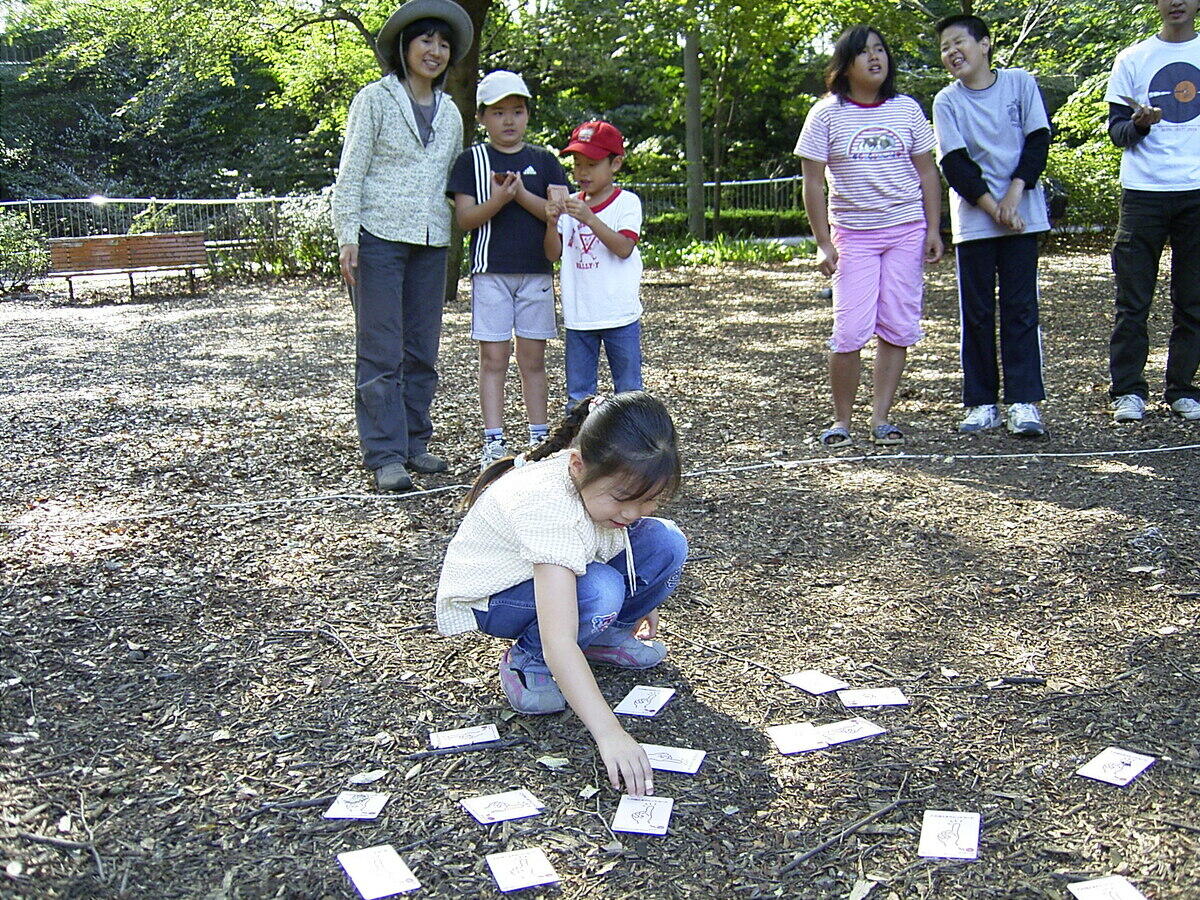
[
  {"x": 469, "y": 748},
  {"x": 425, "y": 840},
  {"x": 62, "y": 843},
  {"x": 91, "y": 838},
  {"x": 844, "y": 833},
  {"x": 740, "y": 659},
  {"x": 329, "y": 633},
  {"x": 288, "y": 804}
]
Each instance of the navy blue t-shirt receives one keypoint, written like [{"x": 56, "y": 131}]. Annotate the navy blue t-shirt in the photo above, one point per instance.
[{"x": 510, "y": 243}]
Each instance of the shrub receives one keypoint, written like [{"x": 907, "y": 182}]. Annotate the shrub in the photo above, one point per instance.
[
  {"x": 23, "y": 252},
  {"x": 307, "y": 232},
  {"x": 734, "y": 222},
  {"x": 671, "y": 252},
  {"x": 155, "y": 219}
]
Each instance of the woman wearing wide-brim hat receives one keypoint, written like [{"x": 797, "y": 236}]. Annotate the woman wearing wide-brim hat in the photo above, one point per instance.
[{"x": 393, "y": 226}]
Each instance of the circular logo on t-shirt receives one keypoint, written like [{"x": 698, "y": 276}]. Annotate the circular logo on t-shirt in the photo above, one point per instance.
[
  {"x": 1173, "y": 90},
  {"x": 875, "y": 142}
]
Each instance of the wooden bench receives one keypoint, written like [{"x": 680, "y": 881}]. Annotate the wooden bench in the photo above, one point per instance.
[{"x": 115, "y": 254}]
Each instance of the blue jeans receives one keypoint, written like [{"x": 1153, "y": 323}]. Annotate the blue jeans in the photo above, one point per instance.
[
  {"x": 605, "y": 604},
  {"x": 622, "y": 346},
  {"x": 397, "y": 329}
]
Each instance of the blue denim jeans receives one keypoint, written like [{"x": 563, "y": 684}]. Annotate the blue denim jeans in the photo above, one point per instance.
[
  {"x": 605, "y": 603},
  {"x": 622, "y": 346},
  {"x": 397, "y": 328}
]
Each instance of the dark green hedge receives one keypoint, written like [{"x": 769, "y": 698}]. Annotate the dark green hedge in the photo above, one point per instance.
[{"x": 734, "y": 222}]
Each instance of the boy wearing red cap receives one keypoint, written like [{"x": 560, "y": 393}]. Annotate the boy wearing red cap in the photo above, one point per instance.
[{"x": 595, "y": 232}]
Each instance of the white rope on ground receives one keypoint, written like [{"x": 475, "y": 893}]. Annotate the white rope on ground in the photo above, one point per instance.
[{"x": 732, "y": 470}]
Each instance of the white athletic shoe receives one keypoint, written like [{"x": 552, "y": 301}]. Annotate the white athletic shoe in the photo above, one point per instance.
[
  {"x": 980, "y": 418},
  {"x": 1186, "y": 408},
  {"x": 1128, "y": 408},
  {"x": 1024, "y": 420},
  {"x": 492, "y": 451}
]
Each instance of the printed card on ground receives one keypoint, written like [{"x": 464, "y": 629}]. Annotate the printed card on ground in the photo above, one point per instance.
[
  {"x": 463, "y": 737},
  {"x": 521, "y": 869},
  {"x": 815, "y": 682},
  {"x": 1116, "y": 766},
  {"x": 1114, "y": 887},
  {"x": 499, "y": 807},
  {"x": 356, "y": 805},
  {"x": 797, "y": 738},
  {"x": 889, "y": 696},
  {"x": 848, "y": 730},
  {"x": 643, "y": 815},
  {"x": 378, "y": 871},
  {"x": 644, "y": 700},
  {"x": 674, "y": 759},
  {"x": 949, "y": 835}
]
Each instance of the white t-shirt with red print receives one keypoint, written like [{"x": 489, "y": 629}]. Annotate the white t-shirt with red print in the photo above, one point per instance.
[{"x": 599, "y": 289}]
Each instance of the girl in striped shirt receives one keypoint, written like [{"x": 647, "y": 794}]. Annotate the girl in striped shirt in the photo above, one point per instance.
[{"x": 873, "y": 147}]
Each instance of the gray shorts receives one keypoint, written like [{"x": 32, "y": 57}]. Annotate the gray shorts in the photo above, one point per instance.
[{"x": 504, "y": 304}]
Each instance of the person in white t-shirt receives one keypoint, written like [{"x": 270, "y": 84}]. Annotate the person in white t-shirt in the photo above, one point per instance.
[
  {"x": 1154, "y": 117},
  {"x": 596, "y": 233},
  {"x": 885, "y": 199}
]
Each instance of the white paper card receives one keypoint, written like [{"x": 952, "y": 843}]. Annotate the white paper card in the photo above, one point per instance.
[
  {"x": 644, "y": 700},
  {"x": 1116, "y": 766},
  {"x": 643, "y": 815},
  {"x": 798, "y": 738},
  {"x": 848, "y": 730},
  {"x": 815, "y": 682},
  {"x": 521, "y": 869},
  {"x": 557, "y": 193},
  {"x": 674, "y": 759},
  {"x": 949, "y": 835},
  {"x": 356, "y": 805},
  {"x": 1114, "y": 887},
  {"x": 378, "y": 871},
  {"x": 890, "y": 696},
  {"x": 463, "y": 737},
  {"x": 499, "y": 807}
]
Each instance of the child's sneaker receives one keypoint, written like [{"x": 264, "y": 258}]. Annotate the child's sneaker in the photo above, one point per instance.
[
  {"x": 1128, "y": 408},
  {"x": 1024, "y": 420},
  {"x": 492, "y": 451},
  {"x": 628, "y": 653},
  {"x": 980, "y": 418},
  {"x": 1186, "y": 408},
  {"x": 532, "y": 693}
]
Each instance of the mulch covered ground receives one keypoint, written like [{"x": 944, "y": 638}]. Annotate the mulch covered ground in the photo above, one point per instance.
[{"x": 208, "y": 623}]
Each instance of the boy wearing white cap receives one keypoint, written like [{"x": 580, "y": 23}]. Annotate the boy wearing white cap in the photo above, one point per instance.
[{"x": 499, "y": 189}]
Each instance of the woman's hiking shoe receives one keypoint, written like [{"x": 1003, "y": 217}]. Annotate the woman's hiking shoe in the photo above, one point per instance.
[
  {"x": 980, "y": 418},
  {"x": 628, "y": 653},
  {"x": 1024, "y": 420},
  {"x": 1128, "y": 408},
  {"x": 426, "y": 463},
  {"x": 532, "y": 693}
]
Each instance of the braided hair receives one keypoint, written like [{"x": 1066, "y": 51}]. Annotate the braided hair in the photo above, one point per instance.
[{"x": 630, "y": 436}]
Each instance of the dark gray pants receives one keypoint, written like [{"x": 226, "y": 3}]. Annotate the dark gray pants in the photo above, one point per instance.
[{"x": 397, "y": 325}]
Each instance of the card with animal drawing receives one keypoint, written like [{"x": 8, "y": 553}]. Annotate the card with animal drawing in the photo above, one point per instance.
[
  {"x": 815, "y": 682},
  {"x": 889, "y": 696},
  {"x": 378, "y": 871},
  {"x": 949, "y": 835},
  {"x": 1114, "y": 887},
  {"x": 499, "y": 807},
  {"x": 519, "y": 869},
  {"x": 799, "y": 737},
  {"x": 674, "y": 759},
  {"x": 848, "y": 730},
  {"x": 644, "y": 700},
  {"x": 1116, "y": 766},
  {"x": 356, "y": 805},
  {"x": 463, "y": 737},
  {"x": 643, "y": 815}
]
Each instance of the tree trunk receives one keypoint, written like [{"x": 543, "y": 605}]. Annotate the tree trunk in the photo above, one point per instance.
[
  {"x": 460, "y": 84},
  {"x": 695, "y": 133}
]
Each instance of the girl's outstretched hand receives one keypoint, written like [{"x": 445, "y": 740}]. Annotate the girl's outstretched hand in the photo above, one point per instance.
[{"x": 626, "y": 762}]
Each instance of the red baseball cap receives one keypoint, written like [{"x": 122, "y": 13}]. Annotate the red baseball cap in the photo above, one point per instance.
[{"x": 596, "y": 140}]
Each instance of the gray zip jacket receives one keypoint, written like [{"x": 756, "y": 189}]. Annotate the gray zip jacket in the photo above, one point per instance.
[{"x": 389, "y": 182}]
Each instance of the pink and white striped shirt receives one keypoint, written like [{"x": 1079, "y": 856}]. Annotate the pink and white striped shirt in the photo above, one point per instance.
[{"x": 868, "y": 151}]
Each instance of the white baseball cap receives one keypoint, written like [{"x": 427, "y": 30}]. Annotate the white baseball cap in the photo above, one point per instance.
[{"x": 495, "y": 86}]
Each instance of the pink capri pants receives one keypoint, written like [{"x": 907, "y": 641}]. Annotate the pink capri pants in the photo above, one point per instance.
[{"x": 878, "y": 286}]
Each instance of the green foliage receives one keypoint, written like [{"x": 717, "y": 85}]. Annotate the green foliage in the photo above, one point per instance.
[
  {"x": 1084, "y": 159},
  {"x": 304, "y": 223},
  {"x": 23, "y": 253},
  {"x": 734, "y": 222},
  {"x": 155, "y": 218},
  {"x": 666, "y": 252}
]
